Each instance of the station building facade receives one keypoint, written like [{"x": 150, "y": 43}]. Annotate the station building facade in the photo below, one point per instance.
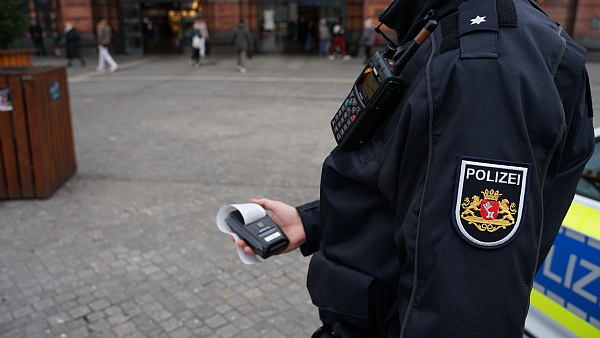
[{"x": 279, "y": 26}]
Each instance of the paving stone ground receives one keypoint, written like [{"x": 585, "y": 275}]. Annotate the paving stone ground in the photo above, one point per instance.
[{"x": 128, "y": 246}]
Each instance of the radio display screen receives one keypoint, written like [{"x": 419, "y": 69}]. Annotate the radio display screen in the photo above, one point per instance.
[{"x": 368, "y": 84}]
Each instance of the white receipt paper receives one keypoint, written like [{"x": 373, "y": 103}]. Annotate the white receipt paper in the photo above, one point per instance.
[{"x": 251, "y": 212}]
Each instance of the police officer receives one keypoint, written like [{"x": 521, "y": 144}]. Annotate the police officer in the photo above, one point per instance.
[{"x": 438, "y": 223}]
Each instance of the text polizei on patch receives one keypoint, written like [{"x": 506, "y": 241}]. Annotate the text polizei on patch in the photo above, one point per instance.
[{"x": 489, "y": 201}]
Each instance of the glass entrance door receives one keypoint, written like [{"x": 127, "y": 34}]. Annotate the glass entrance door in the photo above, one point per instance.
[
  {"x": 273, "y": 20},
  {"x": 132, "y": 29},
  {"x": 291, "y": 26},
  {"x": 160, "y": 26}
]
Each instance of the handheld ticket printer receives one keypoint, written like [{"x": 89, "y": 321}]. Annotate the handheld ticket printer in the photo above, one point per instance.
[
  {"x": 377, "y": 89},
  {"x": 263, "y": 235}
]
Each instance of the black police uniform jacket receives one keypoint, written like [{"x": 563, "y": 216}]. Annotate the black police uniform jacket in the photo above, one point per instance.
[{"x": 437, "y": 224}]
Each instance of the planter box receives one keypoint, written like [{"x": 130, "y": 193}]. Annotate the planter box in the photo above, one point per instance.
[{"x": 37, "y": 152}]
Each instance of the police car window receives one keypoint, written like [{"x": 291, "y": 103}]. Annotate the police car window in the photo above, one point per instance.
[{"x": 589, "y": 184}]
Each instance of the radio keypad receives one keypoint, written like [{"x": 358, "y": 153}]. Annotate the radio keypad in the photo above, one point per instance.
[{"x": 345, "y": 116}]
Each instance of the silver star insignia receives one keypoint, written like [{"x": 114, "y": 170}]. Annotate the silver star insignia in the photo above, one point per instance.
[{"x": 478, "y": 20}]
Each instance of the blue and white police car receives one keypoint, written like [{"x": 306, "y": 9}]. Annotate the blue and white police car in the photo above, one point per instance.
[{"x": 565, "y": 301}]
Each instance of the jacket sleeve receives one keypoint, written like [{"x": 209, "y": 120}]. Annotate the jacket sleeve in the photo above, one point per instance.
[
  {"x": 571, "y": 161},
  {"x": 310, "y": 214},
  {"x": 497, "y": 102}
]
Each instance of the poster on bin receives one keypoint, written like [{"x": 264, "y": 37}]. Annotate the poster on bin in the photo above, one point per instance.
[
  {"x": 5, "y": 103},
  {"x": 54, "y": 91}
]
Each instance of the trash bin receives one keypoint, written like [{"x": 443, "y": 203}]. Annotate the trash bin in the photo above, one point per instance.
[
  {"x": 37, "y": 151},
  {"x": 16, "y": 57}
]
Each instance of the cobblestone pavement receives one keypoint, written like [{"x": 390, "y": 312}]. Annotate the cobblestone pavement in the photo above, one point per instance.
[{"x": 128, "y": 247}]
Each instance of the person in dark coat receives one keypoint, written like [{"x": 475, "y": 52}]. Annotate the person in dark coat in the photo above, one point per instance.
[
  {"x": 437, "y": 223},
  {"x": 369, "y": 39},
  {"x": 243, "y": 44},
  {"x": 72, "y": 45},
  {"x": 37, "y": 36}
]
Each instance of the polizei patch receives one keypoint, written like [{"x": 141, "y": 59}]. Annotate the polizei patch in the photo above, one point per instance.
[{"x": 490, "y": 198}]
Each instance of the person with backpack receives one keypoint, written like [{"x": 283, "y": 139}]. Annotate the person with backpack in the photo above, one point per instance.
[{"x": 338, "y": 33}]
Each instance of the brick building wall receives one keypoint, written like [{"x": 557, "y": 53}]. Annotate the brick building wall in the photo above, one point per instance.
[
  {"x": 587, "y": 24},
  {"x": 580, "y": 18},
  {"x": 223, "y": 16},
  {"x": 373, "y": 8},
  {"x": 79, "y": 13},
  {"x": 562, "y": 11}
]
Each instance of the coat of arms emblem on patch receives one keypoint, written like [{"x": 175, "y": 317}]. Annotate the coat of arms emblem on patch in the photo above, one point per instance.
[{"x": 489, "y": 199}]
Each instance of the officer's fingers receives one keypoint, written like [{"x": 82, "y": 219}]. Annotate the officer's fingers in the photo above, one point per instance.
[
  {"x": 245, "y": 247},
  {"x": 264, "y": 202},
  {"x": 283, "y": 214}
]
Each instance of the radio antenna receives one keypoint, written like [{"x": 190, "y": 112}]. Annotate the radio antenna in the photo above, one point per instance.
[
  {"x": 378, "y": 30},
  {"x": 413, "y": 46}
]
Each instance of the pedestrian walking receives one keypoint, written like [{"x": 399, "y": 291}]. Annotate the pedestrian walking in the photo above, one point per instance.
[
  {"x": 72, "y": 45},
  {"x": 37, "y": 36},
  {"x": 195, "y": 37},
  {"x": 338, "y": 33},
  {"x": 104, "y": 38},
  {"x": 368, "y": 39},
  {"x": 243, "y": 43},
  {"x": 324, "y": 37},
  {"x": 204, "y": 36},
  {"x": 311, "y": 33}
]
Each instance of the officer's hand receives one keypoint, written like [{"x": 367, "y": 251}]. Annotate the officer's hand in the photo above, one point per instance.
[{"x": 287, "y": 218}]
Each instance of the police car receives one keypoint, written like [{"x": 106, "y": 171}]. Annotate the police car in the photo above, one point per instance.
[{"x": 565, "y": 301}]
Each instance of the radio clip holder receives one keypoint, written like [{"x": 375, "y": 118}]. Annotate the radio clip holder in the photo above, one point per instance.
[{"x": 378, "y": 87}]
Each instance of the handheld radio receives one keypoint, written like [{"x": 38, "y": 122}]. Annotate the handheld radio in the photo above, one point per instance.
[
  {"x": 375, "y": 92},
  {"x": 263, "y": 235}
]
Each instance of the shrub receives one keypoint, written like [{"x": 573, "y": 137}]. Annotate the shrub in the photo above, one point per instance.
[{"x": 13, "y": 22}]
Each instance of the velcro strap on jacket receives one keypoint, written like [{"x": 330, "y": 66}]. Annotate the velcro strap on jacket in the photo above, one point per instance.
[{"x": 484, "y": 17}]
